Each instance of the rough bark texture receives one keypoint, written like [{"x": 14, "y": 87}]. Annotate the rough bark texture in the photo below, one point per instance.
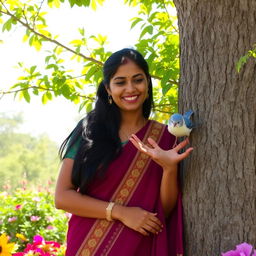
[{"x": 220, "y": 176}]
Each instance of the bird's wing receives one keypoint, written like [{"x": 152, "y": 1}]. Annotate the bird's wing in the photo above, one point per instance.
[
  {"x": 188, "y": 123},
  {"x": 188, "y": 114}
]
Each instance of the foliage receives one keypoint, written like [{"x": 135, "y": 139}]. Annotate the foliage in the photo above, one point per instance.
[
  {"x": 158, "y": 41},
  {"x": 23, "y": 156},
  {"x": 244, "y": 59},
  {"x": 25, "y": 213}
]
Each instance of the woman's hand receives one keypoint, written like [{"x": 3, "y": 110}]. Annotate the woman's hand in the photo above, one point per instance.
[
  {"x": 138, "y": 219},
  {"x": 168, "y": 159}
]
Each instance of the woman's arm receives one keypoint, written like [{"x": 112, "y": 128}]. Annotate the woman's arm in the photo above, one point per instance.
[
  {"x": 70, "y": 200},
  {"x": 169, "y": 189},
  {"x": 168, "y": 160}
]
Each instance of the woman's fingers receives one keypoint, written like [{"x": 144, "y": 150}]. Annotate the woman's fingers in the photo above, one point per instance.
[
  {"x": 153, "y": 143},
  {"x": 181, "y": 145},
  {"x": 185, "y": 154},
  {"x": 143, "y": 232},
  {"x": 138, "y": 143}
]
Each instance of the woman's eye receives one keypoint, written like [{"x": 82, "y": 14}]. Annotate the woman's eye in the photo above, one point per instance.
[
  {"x": 138, "y": 81},
  {"x": 120, "y": 83}
]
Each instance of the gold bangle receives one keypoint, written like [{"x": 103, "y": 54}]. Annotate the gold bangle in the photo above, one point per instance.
[{"x": 109, "y": 211}]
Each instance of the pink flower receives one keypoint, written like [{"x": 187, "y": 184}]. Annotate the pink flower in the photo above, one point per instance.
[
  {"x": 12, "y": 219},
  {"x": 18, "y": 207},
  {"x": 49, "y": 218},
  {"x": 36, "y": 199},
  {"x": 35, "y": 218},
  {"x": 50, "y": 227},
  {"x": 243, "y": 249}
]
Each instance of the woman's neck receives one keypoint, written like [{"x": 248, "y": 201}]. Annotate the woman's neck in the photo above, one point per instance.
[{"x": 131, "y": 124}]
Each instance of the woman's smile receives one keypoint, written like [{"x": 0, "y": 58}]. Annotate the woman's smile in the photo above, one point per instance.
[{"x": 131, "y": 99}]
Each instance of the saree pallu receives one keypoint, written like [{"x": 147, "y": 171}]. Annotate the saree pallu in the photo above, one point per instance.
[{"x": 132, "y": 179}]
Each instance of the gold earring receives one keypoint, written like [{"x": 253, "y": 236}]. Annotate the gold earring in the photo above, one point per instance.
[{"x": 110, "y": 100}]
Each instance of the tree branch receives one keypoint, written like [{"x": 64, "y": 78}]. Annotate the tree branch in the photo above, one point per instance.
[
  {"x": 48, "y": 38},
  {"x": 2, "y": 93},
  {"x": 160, "y": 78},
  {"x": 26, "y": 24}
]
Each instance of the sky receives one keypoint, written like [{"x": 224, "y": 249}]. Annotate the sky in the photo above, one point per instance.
[{"x": 58, "y": 117}]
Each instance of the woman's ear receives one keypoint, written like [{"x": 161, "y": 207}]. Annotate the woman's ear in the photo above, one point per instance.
[{"x": 108, "y": 90}]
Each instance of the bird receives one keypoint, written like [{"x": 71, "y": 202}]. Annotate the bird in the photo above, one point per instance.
[{"x": 180, "y": 125}]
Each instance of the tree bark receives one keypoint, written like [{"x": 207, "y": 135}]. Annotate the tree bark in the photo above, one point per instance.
[{"x": 219, "y": 188}]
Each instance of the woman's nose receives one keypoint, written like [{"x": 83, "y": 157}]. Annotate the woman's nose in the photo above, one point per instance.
[{"x": 130, "y": 86}]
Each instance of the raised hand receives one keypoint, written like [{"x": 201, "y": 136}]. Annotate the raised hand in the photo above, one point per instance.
[{"x": 165, "y": 158}]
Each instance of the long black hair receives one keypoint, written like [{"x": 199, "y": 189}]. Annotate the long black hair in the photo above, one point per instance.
[{"x": 98, "y": 133}]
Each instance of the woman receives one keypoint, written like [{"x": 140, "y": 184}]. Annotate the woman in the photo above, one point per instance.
[{"x": 118, "y": 176}]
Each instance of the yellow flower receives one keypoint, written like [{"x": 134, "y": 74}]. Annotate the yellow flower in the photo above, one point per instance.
[
  {"x": 6, "y": 248},
  {"x": 21, "y": 237}
]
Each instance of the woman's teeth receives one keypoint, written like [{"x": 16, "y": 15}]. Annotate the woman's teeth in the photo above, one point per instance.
[{"x": 130, "y": 98}]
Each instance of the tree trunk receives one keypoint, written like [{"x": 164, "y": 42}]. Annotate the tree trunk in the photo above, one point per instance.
[{"x": 219, "y": 189}]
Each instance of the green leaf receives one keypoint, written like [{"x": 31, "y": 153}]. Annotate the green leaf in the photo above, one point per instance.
[
  {"x": 7, "y": 25},
  {"x": 148, "y": 29},
  {"x": 32, "y": 69},
  {"x": 88, "y": 106},
  {"x": 45, "y": 98},
  {"x": 81, "y": 31},
  {"x": 26, "y": 96},
  {"x": 81, "y": 107},
  {"x": 35, "y": 91},
  {"x": 48, "y": 95},
  {"x": 91, "y": 72},
  {"x": 166, "y": 88},
  {"x": 241, "y": 62},
  {"x": 136, "y": 21}
]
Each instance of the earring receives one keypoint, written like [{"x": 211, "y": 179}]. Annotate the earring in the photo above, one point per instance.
[{"x": 110, "y": 101}]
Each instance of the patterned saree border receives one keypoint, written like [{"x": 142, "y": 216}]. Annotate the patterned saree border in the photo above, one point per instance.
[{"x": 123, "y": 194}]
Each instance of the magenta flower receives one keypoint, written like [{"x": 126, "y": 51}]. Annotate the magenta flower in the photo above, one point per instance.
[
  {"x": 18, "y": 207},
  {"x": 34, "y": 218},
  {"x": 12, "y": 219},
  {"x": 243, "y": 249}
]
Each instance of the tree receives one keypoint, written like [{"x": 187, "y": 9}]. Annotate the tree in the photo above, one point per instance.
[
  {"x": 220, "y": 179},
  {"x": 24, "y": 158}
]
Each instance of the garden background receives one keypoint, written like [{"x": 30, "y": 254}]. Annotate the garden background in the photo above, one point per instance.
[{"x": 201, "y": 57}]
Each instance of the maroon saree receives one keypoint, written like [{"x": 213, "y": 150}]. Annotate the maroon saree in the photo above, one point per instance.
[{"x": 133, "y": 179}]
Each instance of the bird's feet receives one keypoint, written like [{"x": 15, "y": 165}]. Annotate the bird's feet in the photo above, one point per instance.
[{"x": 175, "y": 142}]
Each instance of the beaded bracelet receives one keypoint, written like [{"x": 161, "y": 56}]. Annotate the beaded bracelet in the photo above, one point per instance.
[{"x": 109, "y": 211}]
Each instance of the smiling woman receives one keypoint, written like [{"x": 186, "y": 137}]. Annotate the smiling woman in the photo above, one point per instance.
[{"x": 124, "y": 198}]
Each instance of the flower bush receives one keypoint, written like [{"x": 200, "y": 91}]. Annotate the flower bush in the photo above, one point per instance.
[
  {"x": 42, "y": 248},
  {"x": 243, "y": 249},
  {"x": 26, "y": 213}
]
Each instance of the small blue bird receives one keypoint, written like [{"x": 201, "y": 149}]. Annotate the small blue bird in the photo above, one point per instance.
[{"x": 180, "y": 125}]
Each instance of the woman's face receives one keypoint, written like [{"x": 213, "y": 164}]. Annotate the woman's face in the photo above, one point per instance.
[{"x": 129, "y": 87}]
